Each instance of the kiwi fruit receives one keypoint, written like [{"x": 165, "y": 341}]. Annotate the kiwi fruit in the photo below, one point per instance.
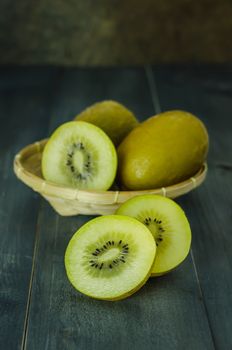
[
  {"x": 168, "y": 225},
  {"x": 112, "y": 117},
  {"x": 80, "y": 155},
  {"x": 163, "y": 150},
  {"x": 110, "y": 257}
]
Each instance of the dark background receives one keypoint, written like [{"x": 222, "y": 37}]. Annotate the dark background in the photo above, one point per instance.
[{"x": 114, "y": 32}]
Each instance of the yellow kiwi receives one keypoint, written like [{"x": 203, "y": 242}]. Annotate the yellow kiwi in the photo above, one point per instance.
[
  {"x": 112, "y": 117},
  {"x": 110, "y": 257},
  {"x": 168, "y": 225},
  {"x": 163, "y": 150},
  {"x": 80, "y": 155}
]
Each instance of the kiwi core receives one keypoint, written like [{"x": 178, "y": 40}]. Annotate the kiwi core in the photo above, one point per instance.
[
  {"x": 109, "y": 255},
  {"x": 78, "y": 161}
]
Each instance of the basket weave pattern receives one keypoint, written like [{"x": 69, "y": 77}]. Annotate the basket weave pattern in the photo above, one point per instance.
[{"x": 68, "y": 201}]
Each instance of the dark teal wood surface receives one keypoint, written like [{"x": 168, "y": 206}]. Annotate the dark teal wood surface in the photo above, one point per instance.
[
  {"x": 208, "y": 94},
  {"x": 24, "y": 116},
  {"x": 190, "y": 308}
]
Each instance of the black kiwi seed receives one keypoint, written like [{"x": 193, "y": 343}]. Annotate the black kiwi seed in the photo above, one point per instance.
[{"x": 160, "y": 229}]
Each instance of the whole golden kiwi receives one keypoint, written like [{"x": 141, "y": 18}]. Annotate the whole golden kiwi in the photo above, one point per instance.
[
  {"x": 112, "y": 117},
  {"x": 164, "y": 150}
]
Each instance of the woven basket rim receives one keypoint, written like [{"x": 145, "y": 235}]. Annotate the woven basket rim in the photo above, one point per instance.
[{"x": 50, "y": 189}]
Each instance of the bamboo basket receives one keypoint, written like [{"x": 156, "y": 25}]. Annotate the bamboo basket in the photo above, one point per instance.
[{"x": 68, "y": 201}]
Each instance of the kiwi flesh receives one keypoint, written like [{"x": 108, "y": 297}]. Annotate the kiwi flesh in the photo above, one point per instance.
[
  {"x": 112, "y": 117},
  {"x": 168, "y": 225},
  {"x": 110, "y": 257},
  {"x": 80, "y": 155}
]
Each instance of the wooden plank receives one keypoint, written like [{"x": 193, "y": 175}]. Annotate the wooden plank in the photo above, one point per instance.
[
  {"x": 166, "y": 314},
  {"x": 207, "y": 92},
  {"x": 81, "y": 87},
  {"x": 24, "y": 112}
]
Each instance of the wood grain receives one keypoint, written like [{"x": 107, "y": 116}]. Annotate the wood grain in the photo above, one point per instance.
[
  {"x": 207, "y": 92},
  {"x": 24, "y": 112},
  {"x": 168, "y": 313}
]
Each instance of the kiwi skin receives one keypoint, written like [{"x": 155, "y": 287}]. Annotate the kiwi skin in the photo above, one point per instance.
[
  {"x": 125, "y": 295},
  {"x": 166, "y": 272},
  {"x": 112, "y": 117},
  {"x": 145, "y": 161}
]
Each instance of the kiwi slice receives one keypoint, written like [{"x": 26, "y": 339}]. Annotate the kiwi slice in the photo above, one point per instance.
[
  {"x": 168, "y": 225},
  {"x": 110, "y": 257},
  {"x": 112, "y": 117},
  {"x": 80, "y": 155}
]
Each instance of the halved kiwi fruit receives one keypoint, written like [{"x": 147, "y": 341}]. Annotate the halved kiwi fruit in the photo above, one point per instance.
[
  {"x": 81, "y": 155},
  {"x": 110, "y": 257},
  {"x": 168, "y": 225}
]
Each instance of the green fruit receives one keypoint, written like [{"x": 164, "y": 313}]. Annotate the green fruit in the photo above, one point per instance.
[
  {"x": 163, "y": 150},
  {"x": 112, "y": 117},
  {"x": 168, "y": 225},
  {"x": 110, "y": 257},
  {"x": 80, "y": 155}
]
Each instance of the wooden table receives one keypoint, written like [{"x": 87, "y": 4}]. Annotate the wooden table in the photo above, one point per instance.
[{"x": 191, "y": 307}]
